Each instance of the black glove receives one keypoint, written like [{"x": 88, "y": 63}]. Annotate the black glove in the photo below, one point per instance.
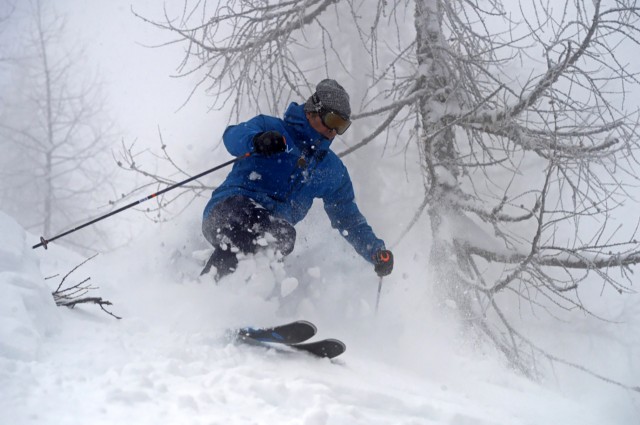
[
  {"x": 269, "y": 143},
  {"x": 383, "y": 261}
]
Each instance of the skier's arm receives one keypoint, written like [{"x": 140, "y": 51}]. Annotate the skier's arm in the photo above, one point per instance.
[
  {"x": 345, "y": 216},
  {"x": 238, "y": 139}
]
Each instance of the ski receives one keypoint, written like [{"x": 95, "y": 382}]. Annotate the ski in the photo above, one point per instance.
[
  {"x": 327, "y": 348},
  {"x": 293, "y": 336},
  {"x": 290, "y": 333}
]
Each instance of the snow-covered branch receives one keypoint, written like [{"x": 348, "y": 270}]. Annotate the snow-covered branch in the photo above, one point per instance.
[
  {"x": 244, "y": 44},
  {"x": 567, "y": 58},
  {"x": 577, "y": 258},
  {"x": 544, "y": 141}
]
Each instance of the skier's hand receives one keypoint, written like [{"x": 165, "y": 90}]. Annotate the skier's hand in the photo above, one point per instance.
[
  {"x": 269, "y": 143},
  {"x": 383, "y": 262}
]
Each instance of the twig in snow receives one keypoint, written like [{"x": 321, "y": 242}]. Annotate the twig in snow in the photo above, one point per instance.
[{"x": 74, "y": 295}]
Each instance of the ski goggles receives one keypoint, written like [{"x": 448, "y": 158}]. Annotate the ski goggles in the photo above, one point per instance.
[{"x": 334, "y": 121}]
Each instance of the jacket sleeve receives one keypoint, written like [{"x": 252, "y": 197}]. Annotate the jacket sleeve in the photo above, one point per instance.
[
  {"x": 345, "y": 216},
  {"x": 238, "y": 139}
]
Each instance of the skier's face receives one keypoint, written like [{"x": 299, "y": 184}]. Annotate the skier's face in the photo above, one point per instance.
[{"x": 316, "y": 123}]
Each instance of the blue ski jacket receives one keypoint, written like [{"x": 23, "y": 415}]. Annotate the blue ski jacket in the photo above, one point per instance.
[{"x": 287, "y": 183}]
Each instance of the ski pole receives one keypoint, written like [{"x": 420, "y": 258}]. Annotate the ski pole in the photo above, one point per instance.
[
  {"x": 379, "y": 291},
  {"x": 44, "y": 242}
]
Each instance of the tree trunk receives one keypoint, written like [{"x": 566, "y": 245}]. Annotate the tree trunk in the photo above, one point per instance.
[
  {"x": 50, "y": 146},
  {"x": 438, "y": 149}
]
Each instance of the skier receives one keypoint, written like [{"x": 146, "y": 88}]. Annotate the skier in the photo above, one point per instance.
[{"x": 271, "y": 190}]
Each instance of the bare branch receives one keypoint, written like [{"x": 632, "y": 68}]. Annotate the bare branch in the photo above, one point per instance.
[{"x": 75, "y": 294}]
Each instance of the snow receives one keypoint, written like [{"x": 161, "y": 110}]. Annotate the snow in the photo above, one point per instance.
[
  {"x": 314, "y": 272},
  {"x": 288, "y": 285},
  {"x": 27, "y": 311},
  {"x": 169, "y": 361}
]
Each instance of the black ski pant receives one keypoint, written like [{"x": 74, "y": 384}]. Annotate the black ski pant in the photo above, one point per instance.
[{"x": 234, "y": 225}]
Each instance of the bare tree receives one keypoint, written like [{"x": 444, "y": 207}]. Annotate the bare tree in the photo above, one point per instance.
[
  {"x": 6, "y": 10},
  {"x": 55, "y": 137},
  {"x": 526, "y": 144}
]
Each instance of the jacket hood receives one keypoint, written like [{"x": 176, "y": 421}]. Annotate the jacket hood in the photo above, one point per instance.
[{"x": 297, "y": 122}]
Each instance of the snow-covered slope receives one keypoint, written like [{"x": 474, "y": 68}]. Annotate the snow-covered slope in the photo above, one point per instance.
[
  {"x": 168, "y": 361},
  {"x": 27, "y": 311}
]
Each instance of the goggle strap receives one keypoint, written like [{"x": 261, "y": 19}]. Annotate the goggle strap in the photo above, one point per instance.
[{"x": 317, "y": 103}]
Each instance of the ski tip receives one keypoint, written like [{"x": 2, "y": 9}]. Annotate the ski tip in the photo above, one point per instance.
[
  {"x": 326, "y": 348},
  {"x": 306, "y": 322},
  {"x": 337, "y": 343}
]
